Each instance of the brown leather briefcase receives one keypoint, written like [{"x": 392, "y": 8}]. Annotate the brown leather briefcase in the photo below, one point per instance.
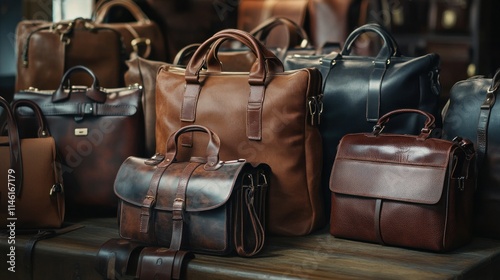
[
  {"x": 403, "y": 190},
  {"x": 203, "y": 204}
]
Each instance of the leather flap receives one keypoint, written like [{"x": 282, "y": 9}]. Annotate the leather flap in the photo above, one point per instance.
[
  {"x": 392, "y": 167},
  {"x": 205, "y": 190}
]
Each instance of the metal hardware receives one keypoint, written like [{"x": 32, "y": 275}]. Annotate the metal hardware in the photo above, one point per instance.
[
  {"x": 461, "y": 183},
  {"x": 56, "y": 188},
  {"x": 312, "y": 108},
  {"x": 81, "y": 131}
]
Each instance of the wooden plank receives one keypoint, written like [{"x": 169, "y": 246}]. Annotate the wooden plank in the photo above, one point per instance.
[{"x": 317, "y": 256}]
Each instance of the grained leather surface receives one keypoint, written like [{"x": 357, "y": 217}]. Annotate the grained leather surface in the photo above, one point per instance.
[
  {"x": 402, "y": 191},
  {"x": 290, "y": 144},
  {"x": 463, "y": 117}
]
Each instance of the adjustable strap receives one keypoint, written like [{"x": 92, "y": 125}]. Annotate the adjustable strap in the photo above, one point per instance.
[
  {"x": 41, "y": 235},
  {"x": 374, "y": 91},
  {"x": 179, "y": 206},
  {"x": 247, "y": 216},
  {"x": 482, "y": 127},
  {"x": 254, "y": 112}
]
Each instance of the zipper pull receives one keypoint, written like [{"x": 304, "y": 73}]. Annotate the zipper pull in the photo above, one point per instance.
[
  {"x": 312, "y": 108},
  {"x": 320, "y": 107}
]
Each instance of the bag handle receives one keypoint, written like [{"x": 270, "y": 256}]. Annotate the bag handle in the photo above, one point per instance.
[
  {"x": 16, "y": 161},
  {"x": 484, "y": 118},
  {"x": 102, "y": 10},
  {"x": 213, "y": 146},
  {"x": 380, "y": 64},
  {"x": 261, "y": 32},
  {"x": 94, "y": 92},
  {"x": 389, "y": 49},
  {"x": 42, "y": 126},
  {"x": 424, "y": 133},
  {"x": 266, "y": 63}
]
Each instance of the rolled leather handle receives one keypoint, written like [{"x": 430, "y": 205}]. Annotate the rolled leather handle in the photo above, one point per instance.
[
  {"x": 428, "y": 125},
  {"x": 261, "y": 32},
  {"x": 213, "y": 146},
  {"x": 94, "y": 92},
  {"x": 42, "y": 126},
  {"x": 102, "y": 10},
  {"x": 389, "y": 49},
  {"x": 266, "y": 61},
  {"x": 16, "y": 161}
]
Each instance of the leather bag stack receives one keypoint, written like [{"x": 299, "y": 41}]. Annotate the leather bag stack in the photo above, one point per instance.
[
  {"x": 95, "y": 130},
  {"x": 265, "y": 115},
  {"x": 403, "y": 190},
  {"x": 472, "y": 112},
  {"x": 357, "y": 90},
  {"x": 200, "y": 204},
  {"x": 31, "y": 190}
]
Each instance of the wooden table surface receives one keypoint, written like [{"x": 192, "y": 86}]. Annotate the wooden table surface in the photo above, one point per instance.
[{"x": 317, "y": 256}]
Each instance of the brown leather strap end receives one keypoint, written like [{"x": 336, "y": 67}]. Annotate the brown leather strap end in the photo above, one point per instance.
[{"x": 162, "y": 263}]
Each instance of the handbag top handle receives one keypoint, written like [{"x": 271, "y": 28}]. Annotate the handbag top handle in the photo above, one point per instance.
[
  {"x": 265, "y": 65},
  {"x": 94, "y": 92},
  {"x": 261, "y": 32},
  {"x": 43, "y": 130},
  {"x": 102, "y": 9},
  {"x": 424, "y": 133},
  {"x": 389, "y": 49},
  {"x": 213, "y": 146},
  {"x": 16, "y": 161},
  {"x": 259, "y": 71}
]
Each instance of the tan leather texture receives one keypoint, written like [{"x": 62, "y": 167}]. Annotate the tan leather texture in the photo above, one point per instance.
[
  {"x": 142, "y": 36},
  {"x": 402, "y": 191},
  {"x": 240, "y": 109},
  {"x": 92, "y": 137},
  {"x": 45, "y": 50},
  {"x": 40, "y": 202},
  {"x": 221, "y": 207}
]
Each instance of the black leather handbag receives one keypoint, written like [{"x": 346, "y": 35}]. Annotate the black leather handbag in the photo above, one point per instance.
[
  {"x": 357, "y": 90},
  {"x": 472, "y": 113},
  {"x": 95, "y": 130}
]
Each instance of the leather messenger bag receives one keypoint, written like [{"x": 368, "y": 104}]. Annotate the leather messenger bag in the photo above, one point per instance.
[
  {"x": 403, "y": 190},
  {"x": 200, "y": 204}
]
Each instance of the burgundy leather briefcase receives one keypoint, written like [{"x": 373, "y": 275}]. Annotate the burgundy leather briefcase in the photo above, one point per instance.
[{"x": 403, "y": 190}]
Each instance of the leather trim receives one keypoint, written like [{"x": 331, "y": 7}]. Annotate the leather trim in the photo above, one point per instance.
[{"x": 81, "y": 109}]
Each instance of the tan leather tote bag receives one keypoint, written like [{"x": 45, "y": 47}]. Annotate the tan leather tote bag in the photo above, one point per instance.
[{"x": 265, "y": 115}]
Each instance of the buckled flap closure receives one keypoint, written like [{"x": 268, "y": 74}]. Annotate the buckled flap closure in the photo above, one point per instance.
[
  {"x": 206, "y": 190},
  {"x": 392, "y": 167}
]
